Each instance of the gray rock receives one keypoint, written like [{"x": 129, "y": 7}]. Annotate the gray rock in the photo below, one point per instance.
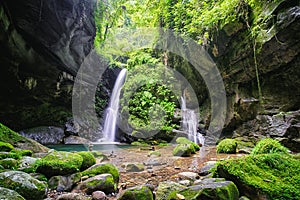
[
  {"x": 185, "y": 182},
  {"x": 73, "y": 196},
  {"x": 208, "y": 181},
  {"x": 24, "y": 184},
  {"x": 7, "y": 194},
  {"x": 64, "y": 183},
  {"x": 27, "y": 163},
  {"x": 45, "y": 134},
  {"x": 102, "y": 182},
  {"x": 204, "y": 171},
  {"x": 188, "y": 176},
  {"x": 99, "y": 195}
]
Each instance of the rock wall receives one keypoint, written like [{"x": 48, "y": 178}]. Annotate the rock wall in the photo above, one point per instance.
[{"x": 43, "y": 44}]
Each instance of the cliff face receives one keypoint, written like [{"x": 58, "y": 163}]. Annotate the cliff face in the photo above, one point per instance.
[{"x": 43, "y": 44}]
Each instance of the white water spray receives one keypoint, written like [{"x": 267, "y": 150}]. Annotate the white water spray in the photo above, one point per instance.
[
  {"x": 190, "y": 123},
  {"x": 111, "y": 117}
]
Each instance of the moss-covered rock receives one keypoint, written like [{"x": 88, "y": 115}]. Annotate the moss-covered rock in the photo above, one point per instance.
[
  {"x": 9, "y": 163},
  {"x": 102, "y": 168},
  {"x": 154, "y": 153},
  {"x": 4, "y": 146},
  {"x": 64, "y": 183},
  {"x": 13, "y": 155},
  {"x": 133, "y": 167},
  {"x": 99, "y": 156},
  {"x": 88, "y": 159},
  {"x": 9, "y": 136},
  {"x": 164, "y": 189},
  {"x": 140, "y": 143},
  {"x": 269, "y": 145},
  {"x": 183, "y": 140},
  {"x": 137, "y": 193},
  {"x": 24, "y": 184},
  {"x": 102, "y": 182},
  {"x": 268, "y": 176},
  {"x": 59, "y": 163},
  {"x": 27, "y": 164},
  {"x": 7, "y": 194},
  {"x": 183, "y": 150},
  {"x": 227, "y": 146}
]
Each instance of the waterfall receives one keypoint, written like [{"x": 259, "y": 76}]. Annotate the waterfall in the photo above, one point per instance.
[
  {"x": 111, "y": 114},
  {"x": 190, "y": 123}
]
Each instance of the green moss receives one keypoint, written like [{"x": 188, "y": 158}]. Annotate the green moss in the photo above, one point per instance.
[
  {"x": 154, "y": 153},
  {"x": 187, "y": 193},
  {"x": 183, "y": 150},
  {"x": 4, "y": 146},
  {"x": 9, "y": 163},
  {"x": 274, "y": 175},
  {"x": 22, "y": 152},
  {"x": 228, "y": 191},
  {"x": 88, "y": 159},
  {"x": 227, "y": 146},
  {"x": 59, "y": 163},
  {"x": 138, "y": 143},
  {"x": 102, "y": 169},
  {"x": 8, "y": 135},
  {"x": 137, "y": 193},
  {"x": 183, "y": 140},
  {"x": 269, "y": 145},
  {"x": 13, "y": 155}
]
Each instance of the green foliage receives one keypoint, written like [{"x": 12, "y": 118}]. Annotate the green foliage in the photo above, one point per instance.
[
  {"x": 227, "y": 146},
  {"x": 147, "y": 102},
  {"x": 4, "y": 146},
  {"x": 8, "y": 135},
  {"x": 276, "y": 175},
  {"x": 269, "y": 145},
  {"x": 88, "y": 159},
  {"x": 102, "y": 169},
  {"x": 59, "y": 163}
]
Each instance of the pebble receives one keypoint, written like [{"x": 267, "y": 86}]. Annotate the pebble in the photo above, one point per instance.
[{"x": 99, "y": 195}]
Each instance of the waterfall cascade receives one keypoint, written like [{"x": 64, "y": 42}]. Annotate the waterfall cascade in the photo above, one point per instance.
[
  {"x": 111, "y": 113},
  {"x": 190, "y": 123}
]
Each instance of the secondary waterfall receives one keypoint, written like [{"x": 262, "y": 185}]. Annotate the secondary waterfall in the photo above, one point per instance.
[
  {"x": 111, "y": 116},
  {"x": 190, "y": 123}
]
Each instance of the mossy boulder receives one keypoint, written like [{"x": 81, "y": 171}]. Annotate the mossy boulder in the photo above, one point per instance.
[
  {"x": 164, "y": 189},
  {"x": 27, "y": 164},
  {"x": 184, "y": 150},
  {"x": 183, "y": 140},
  {"x": 102, "y": 182},
  {"x": 24, "y": 184},
  {"x": 269, "y": 145},
  {"x": 6, "y": 147},
  {"x": 9, "y": 136},
  {"x": 227, "y": 146},
  {"x": 154, "y": 153},
  {"x": 64, "y": 183},
  {"x": 137, "y": 193},
  {"x": 88, "y": 159},
  {"x": 9, "y": 163},
  {"x": 140, "y": 143},
  {"x": 7, "y": 194},
  {"x": 263, "y": 176},
  {"x": 99, "y": 156},
  {"x": 102, "y": 168},
  {"x": 13, "y": 155},
  {"x": 133, "y": 167},
  {"x": 59, "y": 163}
]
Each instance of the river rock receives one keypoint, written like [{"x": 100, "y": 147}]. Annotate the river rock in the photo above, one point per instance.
[
  {"x": 188, "y": 176},
  {"x": 64, "y": 183},
  {"x": 102, "y": 182},
  {"x": 133, "y": 167},
  {"x": 204, "y": 171},
  {"x": 99, "y": 195},
  {"x": 72, "y": 127},
  {"x": 7, "y": 194},
  {"x": 27, "y": 163},
  {"x": 59, "y": 163},
  {"x": 167, "y": 187},
  {"x": 102, "y": 168},
  {"x": 45, "y": 134},
  {"x": 73, "y": 196},
  {"x": 139, "y": 192},
  {"x": 24, "y": 184}
]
